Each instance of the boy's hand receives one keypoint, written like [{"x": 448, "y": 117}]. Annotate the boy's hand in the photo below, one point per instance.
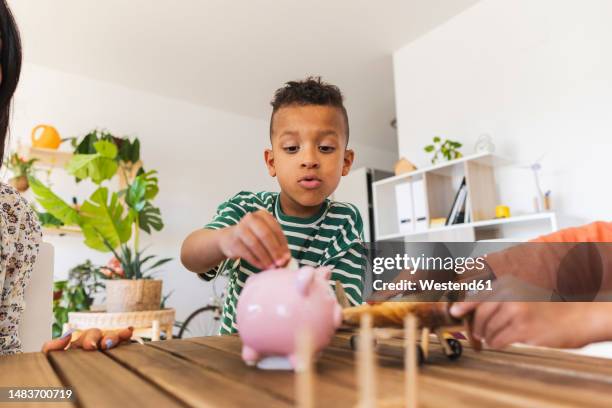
[{"x": 259, "y": 239}]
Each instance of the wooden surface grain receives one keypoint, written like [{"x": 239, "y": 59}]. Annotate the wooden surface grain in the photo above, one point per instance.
[{"x": 208, "y": 372}]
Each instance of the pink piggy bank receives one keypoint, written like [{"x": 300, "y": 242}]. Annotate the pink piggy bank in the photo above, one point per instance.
[{"x": 277, "y": 304}]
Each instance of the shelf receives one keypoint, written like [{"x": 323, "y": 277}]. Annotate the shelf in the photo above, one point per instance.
[
  {"x": 488, "y": 159},
  {"x": 46, "y": 157},
  {"x": 61, "y": 231},
  {"x": 479, "y": 224}
]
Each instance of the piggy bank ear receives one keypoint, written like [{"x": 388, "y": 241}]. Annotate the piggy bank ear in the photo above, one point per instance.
[
  {"x": 304, "y": 279},
  {"x": 325, "y": 272}
]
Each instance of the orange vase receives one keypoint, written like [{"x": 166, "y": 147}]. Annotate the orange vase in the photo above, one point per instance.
[{"x": 49, "y": 138}]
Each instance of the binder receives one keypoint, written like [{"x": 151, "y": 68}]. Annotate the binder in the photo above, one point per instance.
[
  {"x": 421, "y": 220},
  {"x": 405, "y": 210}
]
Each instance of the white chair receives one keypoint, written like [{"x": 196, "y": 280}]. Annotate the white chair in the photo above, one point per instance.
[{"x": 37, "y": 318}]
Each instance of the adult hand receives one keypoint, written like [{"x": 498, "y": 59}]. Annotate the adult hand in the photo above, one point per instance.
[
  {"x": 257, "y": 238},
  {"x": 554, "y": 324},
  {"x": 90, "y": 339}
]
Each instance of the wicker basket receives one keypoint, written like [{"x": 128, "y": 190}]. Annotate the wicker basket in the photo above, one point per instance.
[{"x": 125, "y": 295}]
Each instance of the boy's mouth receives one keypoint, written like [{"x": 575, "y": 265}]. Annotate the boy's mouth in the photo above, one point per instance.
[{"x": 309, "y": 182}]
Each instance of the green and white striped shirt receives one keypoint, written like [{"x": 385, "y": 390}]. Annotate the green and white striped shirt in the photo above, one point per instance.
[{"x": 332, "y": 237}]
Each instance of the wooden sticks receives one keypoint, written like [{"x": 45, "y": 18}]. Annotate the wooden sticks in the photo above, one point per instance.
[
  {"x": 366, "y": 367},
  {"x": 410, "y": 361},
  {"x": 304, "y": 377}
]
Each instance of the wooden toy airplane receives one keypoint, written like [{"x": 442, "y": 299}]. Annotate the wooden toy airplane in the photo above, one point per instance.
[{"x": 388, "y": 319}]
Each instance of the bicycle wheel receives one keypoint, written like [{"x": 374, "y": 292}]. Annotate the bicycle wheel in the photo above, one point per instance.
[{"x": 205, "y": 321}]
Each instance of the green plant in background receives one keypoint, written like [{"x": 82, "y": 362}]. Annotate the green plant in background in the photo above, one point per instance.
[
  {"x": 111, "y": 221},
  {"x": 20, "y": 166},
  {"x": 76, "y": 293},
  {"x": 446, "y": 149}
]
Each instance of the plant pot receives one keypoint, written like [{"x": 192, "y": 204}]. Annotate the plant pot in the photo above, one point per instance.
[
  {"x": 20, "y": 183},
  {"x": 126, "y": 295}
]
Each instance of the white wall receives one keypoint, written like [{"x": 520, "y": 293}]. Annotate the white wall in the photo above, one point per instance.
[
  {"x": 203, "y": 156},
  {"x": 537, "y": 76}
]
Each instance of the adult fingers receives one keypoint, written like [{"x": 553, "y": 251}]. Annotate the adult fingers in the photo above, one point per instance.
[
  {"x": 460, "y": 309},
  {"x": 125, "y": 334},
  {"x": 91, "y": 339},
  {"x": 505, "y": 337},
  {"x": 109, "y": 340},
  {"x": 57, "y": 344},
  {"x": 503, "y": 319},
  {"x": 483, "y": 314}
]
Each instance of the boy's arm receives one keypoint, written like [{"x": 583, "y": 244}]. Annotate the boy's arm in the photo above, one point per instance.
[
  {"x": 201, "y": 250},
  {"x": 257, "y": 238}
]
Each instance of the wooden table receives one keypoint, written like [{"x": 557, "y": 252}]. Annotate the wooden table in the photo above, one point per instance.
[{"x": 208, "y": 372}]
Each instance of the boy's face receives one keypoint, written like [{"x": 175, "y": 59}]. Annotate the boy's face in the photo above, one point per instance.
[{"x": 309, "y": 153}]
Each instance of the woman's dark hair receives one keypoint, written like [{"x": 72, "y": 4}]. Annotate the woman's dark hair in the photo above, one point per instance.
[{"x": 10, "y": 58}]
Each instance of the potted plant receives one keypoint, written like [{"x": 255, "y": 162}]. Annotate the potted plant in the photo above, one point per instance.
[
  {"x": 76, "y": 293},
  {"x": 111, "y": 221},
  {"x": 446, "y": 149},
  {"x": 21, "y": 169}
]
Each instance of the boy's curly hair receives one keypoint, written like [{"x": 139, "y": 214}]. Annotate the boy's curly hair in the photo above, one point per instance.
[{"x": 310, "y": 91}]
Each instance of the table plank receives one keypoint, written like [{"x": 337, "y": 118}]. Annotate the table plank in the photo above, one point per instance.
[
  {"x": 191, "y": 383},
  {"x": 390, "y": 384},
  {"x": 29, "y": 370},
  {"x": 279, "y": 383},
  {"x": 502, "y": 373},
  {"x": 99, "y": 381}
]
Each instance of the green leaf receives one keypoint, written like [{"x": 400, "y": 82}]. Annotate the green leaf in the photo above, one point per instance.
[
  {"x": 47, "y": 219},
  {"x": 436, "y": 139},
  {"x": 135, "y": 151},
  {"x": 94, "y": 166},
  {"x": 158, "y": 264},
  {"x": 103, "y": 223},
  {"x": 150, "y": 218},
  {"x": 136, "y": 194},
  {"x": 106, "y": 149},
  {"x": 429, "y": 148},
  {"x": 54, "y": 204}
]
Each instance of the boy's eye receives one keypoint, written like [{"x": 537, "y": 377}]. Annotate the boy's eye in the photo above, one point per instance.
[
  {"x": 326, "y": 149},
  {"x": 291, "y": 149}
]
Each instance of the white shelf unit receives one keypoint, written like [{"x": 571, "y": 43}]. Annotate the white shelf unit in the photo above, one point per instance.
[{"x": 441, "y": 183}]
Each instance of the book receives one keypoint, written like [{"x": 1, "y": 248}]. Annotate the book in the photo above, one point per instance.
[{"x": 458, "y": 205}]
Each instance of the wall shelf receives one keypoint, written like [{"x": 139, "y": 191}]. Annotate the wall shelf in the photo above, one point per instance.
[
  {"x": 432, "y": 190},
  {"x": 488, "y": 224},
  {"x": 46, "y": 157}
]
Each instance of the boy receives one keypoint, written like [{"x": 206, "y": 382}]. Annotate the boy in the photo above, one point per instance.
[{"x": 309, "y": 133}]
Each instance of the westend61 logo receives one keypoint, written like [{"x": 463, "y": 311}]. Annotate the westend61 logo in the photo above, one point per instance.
[{"x": 411, "y": 265}]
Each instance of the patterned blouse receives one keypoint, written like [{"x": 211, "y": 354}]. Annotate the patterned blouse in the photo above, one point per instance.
[{"x": 20, "y": 237}]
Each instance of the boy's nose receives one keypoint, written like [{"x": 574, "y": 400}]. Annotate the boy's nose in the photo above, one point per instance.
[
  {"x": 310, "y": 164},
  {"x": 309, "y": 159}
]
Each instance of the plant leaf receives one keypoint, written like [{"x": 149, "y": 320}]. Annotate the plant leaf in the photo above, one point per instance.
[
  {"x": 429, "y": 148},
  {"x": 150, "y": 218},
  {"x": 436, "y": 139},
  {"x": 103, "y": 223},
  {"x": 54, "y": 204},
  {"x": 94, "y": 166},
  {"x": 106, "y": 149}
]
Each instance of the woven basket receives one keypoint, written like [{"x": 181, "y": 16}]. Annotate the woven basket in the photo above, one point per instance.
[
  {"x": 107, "y": 321},
  {"x": 125, "y": 295}
]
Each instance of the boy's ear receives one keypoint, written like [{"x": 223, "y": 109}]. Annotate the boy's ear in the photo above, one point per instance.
[
  {"x": 269, "y": 158},
  {"x": 349, "y": 156}
]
